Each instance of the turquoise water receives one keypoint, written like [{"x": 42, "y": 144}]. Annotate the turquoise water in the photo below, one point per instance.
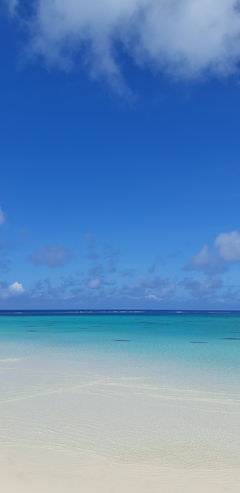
[
  {"x": 162, "y": 387},
  {"x": 195, "y": 340}
]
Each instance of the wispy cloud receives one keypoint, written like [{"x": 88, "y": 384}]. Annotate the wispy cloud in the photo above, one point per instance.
[
  {"x": 151, "y": 288},
  {"x": 207, "y": 261},
  {"x": 52, "y": 256},
  {"x": 187, "y": 38},
  {"x": 11, "y": 5},
  {"x": 129, "y": 272},
  {"x": 94, "y": 283},
  {"x": 202, "y": 288},
  {"x": 2, "y": 216},
  {"x": 5, "y": 265}
]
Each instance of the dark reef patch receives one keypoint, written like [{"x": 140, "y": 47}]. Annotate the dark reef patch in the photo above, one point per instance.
[
  {"x": 121, "y": 340},
  {"x": 231, "y": 338},
  {"x": 198, "y": 342},
  {"x": 159, "y": 324}
]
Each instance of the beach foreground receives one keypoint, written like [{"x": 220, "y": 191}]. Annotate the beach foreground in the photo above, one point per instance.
[
  {"x": 113, "y": 404},
  {"x": 28, "y": 471}
]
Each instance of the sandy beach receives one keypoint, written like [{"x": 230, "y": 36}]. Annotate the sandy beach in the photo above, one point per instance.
[{"x": 25, "y": 471}]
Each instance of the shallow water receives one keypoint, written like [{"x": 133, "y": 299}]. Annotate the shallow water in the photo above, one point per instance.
[{"x": 131, "y": 387}]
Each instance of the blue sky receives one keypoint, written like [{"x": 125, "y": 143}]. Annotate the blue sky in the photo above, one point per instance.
[{"x": 119, "y": 159}]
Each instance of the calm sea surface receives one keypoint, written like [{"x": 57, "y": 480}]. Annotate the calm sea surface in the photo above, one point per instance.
[{"x": 133, "y": 386}]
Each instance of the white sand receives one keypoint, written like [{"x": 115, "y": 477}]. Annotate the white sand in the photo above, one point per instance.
[
  {"x": 67, "y": 426},
  {"x": 30, "y": 471}
]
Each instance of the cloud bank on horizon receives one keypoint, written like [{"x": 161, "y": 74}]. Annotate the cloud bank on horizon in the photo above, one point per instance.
[
  {"x": 101, "y": 282},
  {"x": 184, "y": 38},
  {"x": 102, "y": 285}
]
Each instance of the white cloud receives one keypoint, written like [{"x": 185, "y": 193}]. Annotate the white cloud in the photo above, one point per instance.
[
  {"x": 16, "y": 288},
  {"x": 186, "y": 38},
  {"x": 228, "y": 245},
  {"x": 2, "y": 216},
  {"x": 11, "y": 291},
  {"x": 225, "y": 252},
  {"x": 94, "y": 283}
]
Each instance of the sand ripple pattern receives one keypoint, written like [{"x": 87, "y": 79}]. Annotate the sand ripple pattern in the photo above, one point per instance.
[{"x": 122, "y": 417}]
